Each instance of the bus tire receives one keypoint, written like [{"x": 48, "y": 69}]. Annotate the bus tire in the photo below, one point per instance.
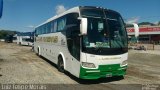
[
  {"x": 60, "y": 64},
  {"x": 120, "y": 77},
  {"x": 20, "y": 43},
  {"x": 38, "y": 52}
]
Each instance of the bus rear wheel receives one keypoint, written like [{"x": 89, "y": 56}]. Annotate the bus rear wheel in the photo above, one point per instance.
[
  {"x": 38, "y": 52},
  {"x": 60, "y": 64},
  {"x": 19, "y": 43}
]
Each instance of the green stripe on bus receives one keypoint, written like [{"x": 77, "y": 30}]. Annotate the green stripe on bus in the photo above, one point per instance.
[{"x": 102, "y": 71}]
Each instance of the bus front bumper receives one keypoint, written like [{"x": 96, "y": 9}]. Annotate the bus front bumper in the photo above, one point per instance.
[{"x": 102, "y": 71}]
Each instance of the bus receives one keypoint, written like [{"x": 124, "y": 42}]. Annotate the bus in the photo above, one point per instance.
[
  {"x": 25, "y": 38},
  {"x": 88, "y": 42}
]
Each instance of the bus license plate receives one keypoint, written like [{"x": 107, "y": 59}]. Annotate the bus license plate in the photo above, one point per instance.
[{"x": 109, "y": 75}]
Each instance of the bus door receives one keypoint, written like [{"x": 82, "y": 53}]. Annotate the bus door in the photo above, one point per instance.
[{"x": 73, "y": 41}]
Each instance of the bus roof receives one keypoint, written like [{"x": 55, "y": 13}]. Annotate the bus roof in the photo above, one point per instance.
[
  {"x": 75, "y": 9},
  {"x": 25, "y": 34}
]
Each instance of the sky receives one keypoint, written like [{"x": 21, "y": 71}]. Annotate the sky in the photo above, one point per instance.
[{"x": 24, "y": 15}]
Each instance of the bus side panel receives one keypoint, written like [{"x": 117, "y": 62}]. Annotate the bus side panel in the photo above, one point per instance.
[{"x": 51, "y": 49}]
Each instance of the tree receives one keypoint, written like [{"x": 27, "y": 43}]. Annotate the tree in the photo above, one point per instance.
[
  {"x": 4, "y": 33},
  {"x": 129, "y": 25},
  {"x": 146, "y": 23}
]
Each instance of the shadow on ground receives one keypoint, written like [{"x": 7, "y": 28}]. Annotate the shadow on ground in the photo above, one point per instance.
[
  {"x": 96, "y": 81},
  {"x": 83, "y": 81}
]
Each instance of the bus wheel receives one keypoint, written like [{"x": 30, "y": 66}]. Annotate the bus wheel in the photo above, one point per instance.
[
  {"x": 38, "y": 52},
  {"x": 60, "y": 64},
  {"x": 120, "y": 77}
]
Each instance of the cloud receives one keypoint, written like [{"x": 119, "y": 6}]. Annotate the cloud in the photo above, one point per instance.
[
  {"x": 60, "y": 9},
  {"x": 132, "y": 20}
]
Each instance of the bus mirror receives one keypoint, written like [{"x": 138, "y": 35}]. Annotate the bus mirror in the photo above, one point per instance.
[{"x": 83, "y": 26}]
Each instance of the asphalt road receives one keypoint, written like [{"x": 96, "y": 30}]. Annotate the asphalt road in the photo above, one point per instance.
[{"x": 19, "y": 65}]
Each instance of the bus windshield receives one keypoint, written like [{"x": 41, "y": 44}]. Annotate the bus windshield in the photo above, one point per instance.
[
  {"x": 104, "y": 32},
  {"x": 97, "y": 35},
  {"x": 117, "y": 31}
]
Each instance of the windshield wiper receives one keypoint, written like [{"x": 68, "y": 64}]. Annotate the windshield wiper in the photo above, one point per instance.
[{"x": 97, "y": 49}]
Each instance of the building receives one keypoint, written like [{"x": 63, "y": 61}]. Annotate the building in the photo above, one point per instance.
[{"x": 147, "y": 34}]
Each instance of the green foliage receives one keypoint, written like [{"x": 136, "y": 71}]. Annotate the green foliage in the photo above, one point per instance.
[
  {"x": 143, "y": 23},
  {"x": 146, "y": 23},
  {"x": 4, "y": 33}
]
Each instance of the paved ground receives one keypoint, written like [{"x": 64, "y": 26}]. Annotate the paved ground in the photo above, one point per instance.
[{"x": 19, "y": 65}]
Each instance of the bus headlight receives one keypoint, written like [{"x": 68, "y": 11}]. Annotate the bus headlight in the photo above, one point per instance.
[
  {"x": 88, "y": 65},
  {"x": 124, "y": 63}
]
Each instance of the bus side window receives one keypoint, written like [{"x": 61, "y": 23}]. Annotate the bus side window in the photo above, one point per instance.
[
  {"x": 48, "y": 27},
  {"x": 55, "y": 26},
  {"x": 61, "y": 24},
  {"x": 40, "y": 30},
  {"x": 52, "y": 26},
  {"x": 44, "y": 29}
]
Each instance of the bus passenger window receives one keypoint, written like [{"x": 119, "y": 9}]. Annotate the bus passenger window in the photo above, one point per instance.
[
  {"x": 61, "y": 24},
  {"x": 55, "y": 26}
]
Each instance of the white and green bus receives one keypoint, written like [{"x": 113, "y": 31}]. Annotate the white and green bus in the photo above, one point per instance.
[{"x": 88, "y": 42}]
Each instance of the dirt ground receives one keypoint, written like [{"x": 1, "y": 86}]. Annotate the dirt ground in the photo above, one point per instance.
[{"x": 19, "y": 65}]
